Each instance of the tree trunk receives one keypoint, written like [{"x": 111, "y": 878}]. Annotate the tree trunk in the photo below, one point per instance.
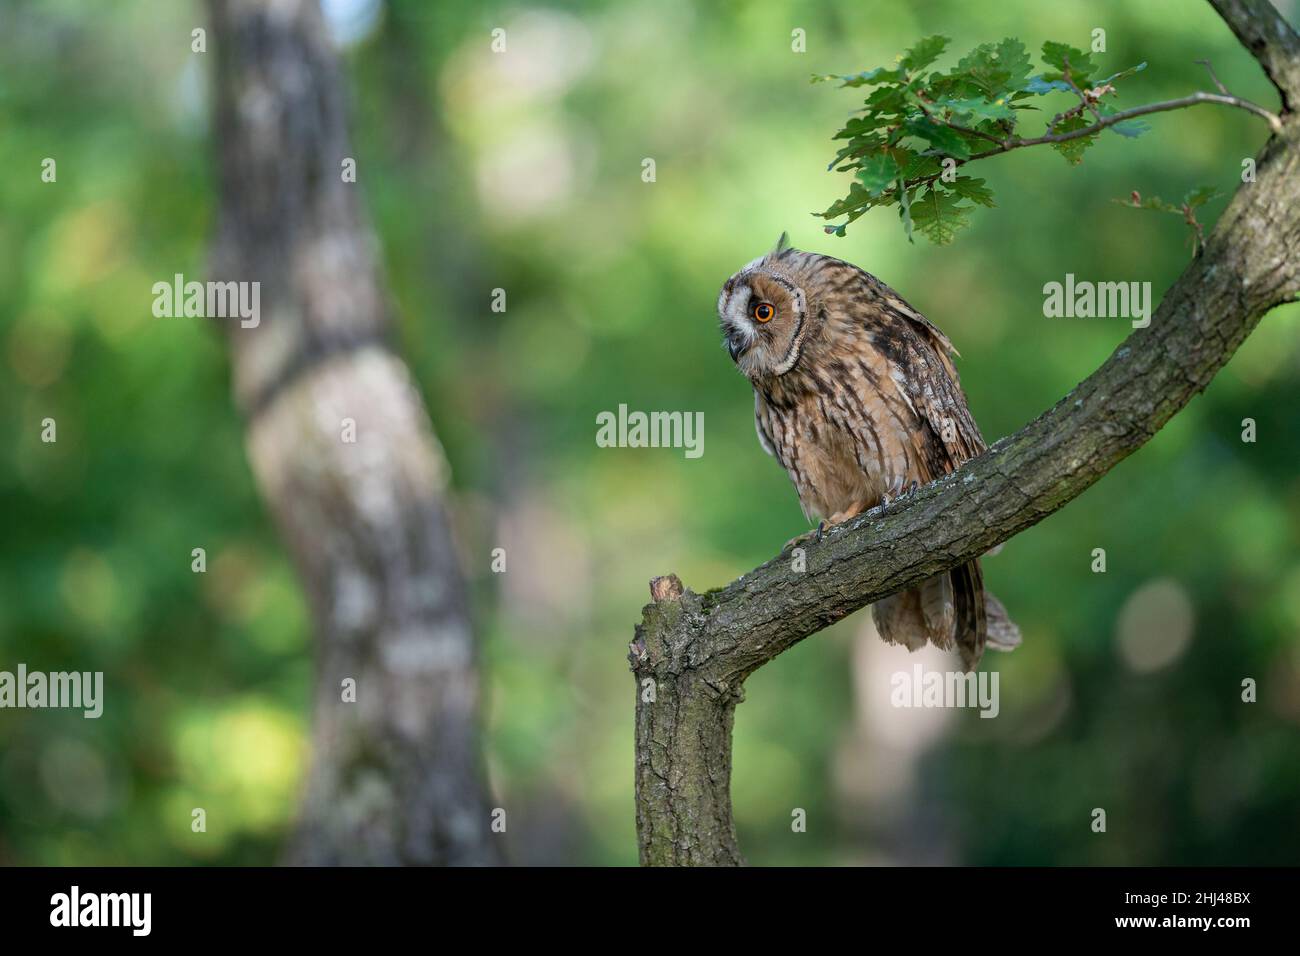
[
  {"x": 695, "y": 651},
  {"x": 346, "y": 460}
]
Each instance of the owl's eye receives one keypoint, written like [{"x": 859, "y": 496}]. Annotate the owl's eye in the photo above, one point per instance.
[{"x": 763, "y": 312}]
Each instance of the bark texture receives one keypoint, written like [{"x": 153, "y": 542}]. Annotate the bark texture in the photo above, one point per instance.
[
  {"x": 396, "y": 776},
  {"x": 694, "y": 651}
]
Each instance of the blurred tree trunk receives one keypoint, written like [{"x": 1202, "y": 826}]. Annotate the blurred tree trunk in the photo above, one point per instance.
[{"x": 345, "y": 458}]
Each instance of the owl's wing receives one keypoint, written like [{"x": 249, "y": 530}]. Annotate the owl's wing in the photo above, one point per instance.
[{"x": 933, "y": 386}]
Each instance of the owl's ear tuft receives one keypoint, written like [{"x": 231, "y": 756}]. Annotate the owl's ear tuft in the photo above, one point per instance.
[{"x": 782, "y": 244}]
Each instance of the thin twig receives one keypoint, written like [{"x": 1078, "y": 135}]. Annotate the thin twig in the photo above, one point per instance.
[
  {"x": 1060, "y": 117},
  {"x": 1083, "y": 97},
  {"x": 1206, "y": 63},
  {"x": 1110, "y": 120}
]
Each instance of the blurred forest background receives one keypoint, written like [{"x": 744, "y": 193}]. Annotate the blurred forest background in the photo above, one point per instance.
[{"x": 523, "y": 172}]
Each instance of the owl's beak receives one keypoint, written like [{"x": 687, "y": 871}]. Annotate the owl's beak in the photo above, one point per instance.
[{"x": 735, "y": 346}]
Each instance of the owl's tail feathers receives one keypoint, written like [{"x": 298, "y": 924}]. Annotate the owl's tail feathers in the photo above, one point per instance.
[
  {"x": 899, "y": 620},
  {"x": 948, "y": 610},
  {"x": 972, "y": 619}
]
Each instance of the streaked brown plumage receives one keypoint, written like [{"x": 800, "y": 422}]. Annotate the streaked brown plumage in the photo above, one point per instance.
[{"x": 855, "y": 394}]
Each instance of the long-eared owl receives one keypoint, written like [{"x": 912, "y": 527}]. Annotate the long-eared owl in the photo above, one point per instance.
[{"x": 855, "y": 394}]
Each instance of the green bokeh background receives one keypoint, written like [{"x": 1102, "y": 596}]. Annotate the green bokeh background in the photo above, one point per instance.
[{"x": 522, "y": 172}]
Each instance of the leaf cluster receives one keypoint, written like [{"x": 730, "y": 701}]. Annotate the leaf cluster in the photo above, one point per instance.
[{"x": 918, "y": 125}]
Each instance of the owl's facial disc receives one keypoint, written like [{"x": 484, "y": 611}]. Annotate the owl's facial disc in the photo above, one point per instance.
[{"x": 762, "y": 315}]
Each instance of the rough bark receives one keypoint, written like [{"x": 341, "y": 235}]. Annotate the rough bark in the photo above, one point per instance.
[
  {"x": 695, "y": 650},
  {"x": 396, "y": 776},
  {"x": 1270, "y": 39}
]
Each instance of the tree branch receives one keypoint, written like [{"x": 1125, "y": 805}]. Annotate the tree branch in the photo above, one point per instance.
[
  {"x": 1270, "y": 40},
  {"x": 1218, "y": 84},
  {"x": 692, "y": 652},
  {"x": 1165, "y": 106}
]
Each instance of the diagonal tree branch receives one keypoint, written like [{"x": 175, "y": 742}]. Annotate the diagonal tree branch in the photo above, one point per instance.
[
  {"x": 692, "y": 652},
  {"x": 1270, "y": 39}
]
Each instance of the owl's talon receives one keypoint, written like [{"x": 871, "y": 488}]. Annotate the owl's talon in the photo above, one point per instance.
[
  {"x": 814, "y": 535},
  {"x": 797, "y": 540}
]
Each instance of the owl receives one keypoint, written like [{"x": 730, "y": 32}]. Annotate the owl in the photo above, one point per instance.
[{"x": 856, "y": 396}]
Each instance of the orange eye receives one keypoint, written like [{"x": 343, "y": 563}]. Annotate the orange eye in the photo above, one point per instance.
[{"x": 764, "y": 312}]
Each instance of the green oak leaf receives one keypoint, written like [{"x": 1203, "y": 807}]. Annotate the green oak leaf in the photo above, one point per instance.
[
  {"x": 918, "y": 166},
  {"x": 942, "y": 138},
  {"x": 974, "y": 108},
  {"x": 968, "y": 187},
  {"x": 856, "y": 149},
  {"x": 937, "y": 214},
  {"x": 857, "y": 197},
  {"x": 1040, "y": 85},
  {"x": 924, "y": 52},
  {"x": 861, "y": 125},
  {"x": 996, "y": 68},
  {"x": 905, "y": 210},
  {"x": 887, "y": 100},
  {"x": 880, "y": 74},
  {"x": 876, "y": 172},
  {"x": 1073, "y": 149},
  {"x": 1122, "y": 74},
  {"x": 1055, "y": 55},
  {"x": 1132, "y": 128}
]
